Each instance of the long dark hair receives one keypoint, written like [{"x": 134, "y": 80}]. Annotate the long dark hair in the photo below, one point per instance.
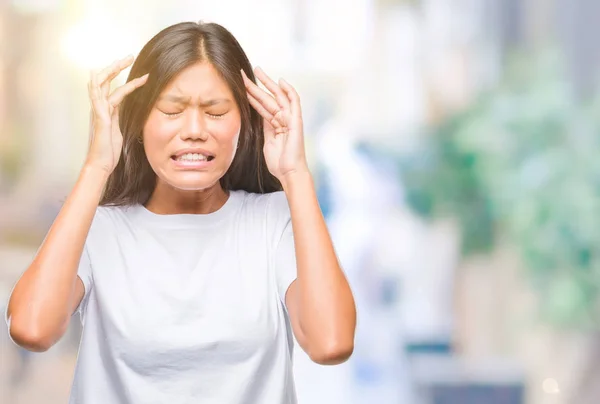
[{"x": 168, "y": 53}]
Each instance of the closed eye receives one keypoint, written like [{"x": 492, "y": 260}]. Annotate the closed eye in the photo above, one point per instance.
[
  {"x": 172, "y": 114},
  {"x": 216, "y": 116}
]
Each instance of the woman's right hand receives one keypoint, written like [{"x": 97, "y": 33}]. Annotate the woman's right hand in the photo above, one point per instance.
[{"x": 106, "y": 139}]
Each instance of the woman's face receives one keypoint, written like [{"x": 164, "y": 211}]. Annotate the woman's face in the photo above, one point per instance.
[{"x": 191, "y": 135}]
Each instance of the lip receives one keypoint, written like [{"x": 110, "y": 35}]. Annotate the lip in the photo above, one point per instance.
[
  {"x": 192, "y": 165},
  {"x": 193, "y": 150}
]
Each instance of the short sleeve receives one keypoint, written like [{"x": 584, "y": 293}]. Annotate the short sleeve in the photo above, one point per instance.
[
  {"x": 285, "y": 253},
  {"x": 84, "y": 272}
]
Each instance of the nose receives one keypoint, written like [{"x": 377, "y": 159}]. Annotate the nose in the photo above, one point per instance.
[{"x": 194, "y": 127}]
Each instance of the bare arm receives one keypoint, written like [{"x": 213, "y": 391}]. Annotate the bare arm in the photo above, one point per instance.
[
  {"x": 320, "y": 301},
  {"x": 46, "y": 295},
  {"x": 44, "y": 298}
]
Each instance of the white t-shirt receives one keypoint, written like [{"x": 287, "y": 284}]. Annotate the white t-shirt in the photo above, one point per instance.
[{"x": 188, "y": 308}]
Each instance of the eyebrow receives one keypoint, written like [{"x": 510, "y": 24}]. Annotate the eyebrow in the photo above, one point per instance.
[{"x": 186, "y": 100}]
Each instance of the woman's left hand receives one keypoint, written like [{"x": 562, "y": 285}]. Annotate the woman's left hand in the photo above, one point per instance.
[{"x": 284, "y": 134}]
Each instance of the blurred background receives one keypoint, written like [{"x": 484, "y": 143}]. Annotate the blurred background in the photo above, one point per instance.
[{"x": 453, "y": 143}]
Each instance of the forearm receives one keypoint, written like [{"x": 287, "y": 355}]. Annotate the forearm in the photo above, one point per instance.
[
  {"x": 41, "y": 302},
  {"x": 327, "y": 312}
]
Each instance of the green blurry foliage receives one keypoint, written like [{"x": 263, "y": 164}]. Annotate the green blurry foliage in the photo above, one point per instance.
[{"x": 523, "y": 164}]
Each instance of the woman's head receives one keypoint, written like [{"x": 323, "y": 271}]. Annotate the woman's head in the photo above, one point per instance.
[{"x": 190, "y": 126}]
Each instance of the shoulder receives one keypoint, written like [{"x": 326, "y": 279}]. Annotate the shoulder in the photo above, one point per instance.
[
  {"x": 109, "y": 217},
  {"x": 112, "y": 212},
  {"x": 270, "y": 212},
  {"x": 273, "y": 205}
]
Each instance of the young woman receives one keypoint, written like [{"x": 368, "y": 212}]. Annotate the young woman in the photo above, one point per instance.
[{"x": 192, "y": 244}]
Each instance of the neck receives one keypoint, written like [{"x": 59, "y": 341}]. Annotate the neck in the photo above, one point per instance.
[{"x": 166, "y": 200}]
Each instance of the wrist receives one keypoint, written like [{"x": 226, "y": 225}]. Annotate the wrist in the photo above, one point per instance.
[
  {"x": 297, "y": 179},
  {"x": 95, "y": 173}
]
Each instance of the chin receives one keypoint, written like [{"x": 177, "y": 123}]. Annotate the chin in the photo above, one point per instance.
[{"x": 192, "y": 181}]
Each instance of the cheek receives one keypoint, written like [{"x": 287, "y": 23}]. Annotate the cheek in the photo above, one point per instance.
[
  {"x": 229, "y": 135},
  {"x": 157, "y": 135}
]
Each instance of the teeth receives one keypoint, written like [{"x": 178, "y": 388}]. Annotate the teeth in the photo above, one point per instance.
[{"x": 191, "y": 157}]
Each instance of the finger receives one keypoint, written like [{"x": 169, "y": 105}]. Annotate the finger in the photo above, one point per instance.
[
  {"x": 267, "y": 101},
  {"x": 281, "y": 131},
  {"x": 105, "y": 76},
  {"x": 112, "y": 71},
  {"x": 94, "y": 93},
  {"x": 292, "y": 96},
  {"x": 259, "y": 108},
  {"x": 115, "y": 119},
  {"x": 119, "y": 94},
  {"x": 280, "y": 96},
  {"x": 262, "y": 111},
  {"x": 93, "y": 86},
  {"x": 91, "y": 128},
  {"x": 108, "y": 78}
]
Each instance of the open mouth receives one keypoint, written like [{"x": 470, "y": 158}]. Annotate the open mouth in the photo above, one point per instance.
[{"x": 193, "y": 157}]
